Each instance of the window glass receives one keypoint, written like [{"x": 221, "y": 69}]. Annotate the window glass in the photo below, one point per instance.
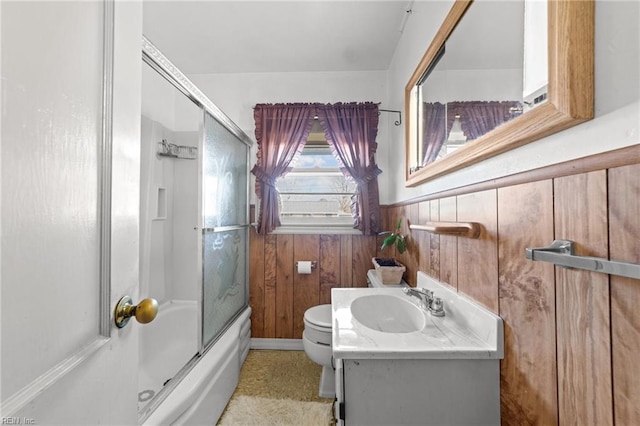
[{"x": 315, "y": 191}]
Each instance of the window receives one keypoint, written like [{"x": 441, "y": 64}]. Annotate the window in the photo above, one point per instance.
[
  {"x": 320, "y": 199},
  {"x": 315, "y": 193}
]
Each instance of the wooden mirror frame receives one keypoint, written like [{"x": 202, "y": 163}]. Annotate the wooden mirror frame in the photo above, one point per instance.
[{"x": 570, "y": 89}]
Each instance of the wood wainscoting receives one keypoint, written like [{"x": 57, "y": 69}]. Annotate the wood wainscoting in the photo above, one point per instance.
[
  {"x": 572, "y": 338},
  {"x": 279, "y": 296}
]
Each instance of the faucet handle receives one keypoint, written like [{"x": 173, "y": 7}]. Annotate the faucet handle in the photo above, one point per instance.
[
  {"x": 437, "y": 303},
  {"x": 417, "y": 290},
  {"x": 425, "y": 296},
  {"x": 437, "y": 307}
]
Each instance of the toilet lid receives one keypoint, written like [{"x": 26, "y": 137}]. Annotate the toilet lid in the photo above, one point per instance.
[{"x": 319, "y": 315}]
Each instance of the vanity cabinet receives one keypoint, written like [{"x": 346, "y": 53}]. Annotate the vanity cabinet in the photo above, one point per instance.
[
  {"x": 396, "y": 364},
  {"x": 418, "y": 392}
]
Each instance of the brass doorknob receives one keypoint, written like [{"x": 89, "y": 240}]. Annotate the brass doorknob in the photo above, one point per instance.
[{"x": 145, "y": 311}]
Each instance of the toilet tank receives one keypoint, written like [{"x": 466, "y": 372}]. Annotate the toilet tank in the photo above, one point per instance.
[{"x": 374, "y": 281}]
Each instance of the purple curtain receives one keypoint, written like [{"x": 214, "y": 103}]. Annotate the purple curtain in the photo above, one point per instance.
[
  {"x": 479, "y": 117},
  {"x": 433, "y": 130},
  {"x": 281, "y": 132},
  {"x": 351, "y": 131}
]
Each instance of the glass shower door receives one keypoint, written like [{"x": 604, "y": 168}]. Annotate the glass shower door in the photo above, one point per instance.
[
  {"x": 170, "y": 136},
  {"x": 225, "y": 234}
]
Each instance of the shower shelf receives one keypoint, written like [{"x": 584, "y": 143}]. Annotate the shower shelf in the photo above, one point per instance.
[
  {"x": 460, "y": 229},
  {"x": 166, "y": 149}
]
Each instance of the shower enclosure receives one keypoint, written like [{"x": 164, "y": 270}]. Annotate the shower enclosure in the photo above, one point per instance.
[{"x": 194, "y": 226}]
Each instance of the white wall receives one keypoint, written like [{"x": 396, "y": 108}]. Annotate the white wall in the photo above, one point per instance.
[
  {"x": 236, "y": 95},
  {"x": 617, "y": 105}
]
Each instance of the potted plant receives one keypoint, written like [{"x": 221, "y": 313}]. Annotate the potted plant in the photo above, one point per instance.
[{"x": 389, "y": 270}]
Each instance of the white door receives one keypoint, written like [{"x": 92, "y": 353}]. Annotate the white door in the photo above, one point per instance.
[{"x": 69, "y": 250}]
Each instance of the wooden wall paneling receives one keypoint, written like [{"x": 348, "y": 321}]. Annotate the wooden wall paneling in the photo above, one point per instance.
[
  {"x": 385, "y": 223},
  {"x": 379, "y": 241},
  {"x": 434, "y": 241},
  {"x": 528, "y": 380},
  {"x": 405, "y": 258},
  {"x": 478, "y": 257},
  {"x": 412, "y": 255},
  {"x": 448, "y": 245},
  {"x": 256, "y": 282},
  {"x": 270, "y": 291},
  {"x": 363, "y": 250},
  {"x": 400, "y": 213},
  {"x": 284, "y": 286},
  {"x": 346, "y": 260},
  {"x": 392, "y": 216},
  {"x": 387, "y": 213},
  {"x": 423, "y": 238},
  {"x": 624, "y": 233},
  {"x": 397, "y": 213},
  {"x": 329, "y": 266},
  {"x": 582, "y": 303},
  {"x": 306, "y": 287}
]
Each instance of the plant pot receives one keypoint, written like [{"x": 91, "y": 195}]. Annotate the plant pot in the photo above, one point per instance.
[{"x": 389, "y": 270}]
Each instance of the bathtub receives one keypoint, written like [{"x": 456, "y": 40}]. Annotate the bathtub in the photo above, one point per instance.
[{"x": 202, "y": 388}]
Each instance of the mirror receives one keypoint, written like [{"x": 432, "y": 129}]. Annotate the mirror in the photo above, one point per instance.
[{"x": 466, "y": 103}]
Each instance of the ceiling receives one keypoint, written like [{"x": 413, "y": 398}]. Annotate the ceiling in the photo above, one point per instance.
[{"x": 215, "y": 36}]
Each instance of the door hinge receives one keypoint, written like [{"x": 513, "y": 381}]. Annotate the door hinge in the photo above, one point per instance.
[{"x": 341, "y": 411}]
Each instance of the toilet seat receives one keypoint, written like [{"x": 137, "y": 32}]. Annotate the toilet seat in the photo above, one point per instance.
[
  {"x": 317, "y": 325},
  {"x": 318, "y": 317}
]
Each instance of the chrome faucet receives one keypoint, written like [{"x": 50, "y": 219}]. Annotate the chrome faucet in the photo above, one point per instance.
[
  {"x": 425, "y": 296},
  {"x": 434, "y": 305}
]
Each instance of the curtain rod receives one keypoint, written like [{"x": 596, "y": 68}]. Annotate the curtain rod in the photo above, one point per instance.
[{"x": 399, "y": 120}]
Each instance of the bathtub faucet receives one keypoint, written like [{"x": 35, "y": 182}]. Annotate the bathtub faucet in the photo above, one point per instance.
[{"x": 434, "y": 305}]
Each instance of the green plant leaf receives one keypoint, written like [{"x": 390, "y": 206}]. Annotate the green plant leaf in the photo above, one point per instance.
[
  {"x": 399, "y": 223},
  {"x": 401, "y": 244},
  {"x": 389, "y": 241}
]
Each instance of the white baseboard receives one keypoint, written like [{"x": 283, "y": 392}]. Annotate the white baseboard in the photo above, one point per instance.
[{"x": 277, "y": 344}]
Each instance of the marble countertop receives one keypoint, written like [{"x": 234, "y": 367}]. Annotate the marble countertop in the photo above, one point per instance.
[{"x": 467, "y": 331}]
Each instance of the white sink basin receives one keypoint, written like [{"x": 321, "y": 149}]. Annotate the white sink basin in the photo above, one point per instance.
[
  {"x": 385, "y": 323},
  {"x": 387, "y": 313}
]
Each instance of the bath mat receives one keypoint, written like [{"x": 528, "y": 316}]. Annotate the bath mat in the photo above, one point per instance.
[{"x": 257, "y": 411}]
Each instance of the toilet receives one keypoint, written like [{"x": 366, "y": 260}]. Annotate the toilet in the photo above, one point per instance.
[{"x": 316, "y": 338}]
